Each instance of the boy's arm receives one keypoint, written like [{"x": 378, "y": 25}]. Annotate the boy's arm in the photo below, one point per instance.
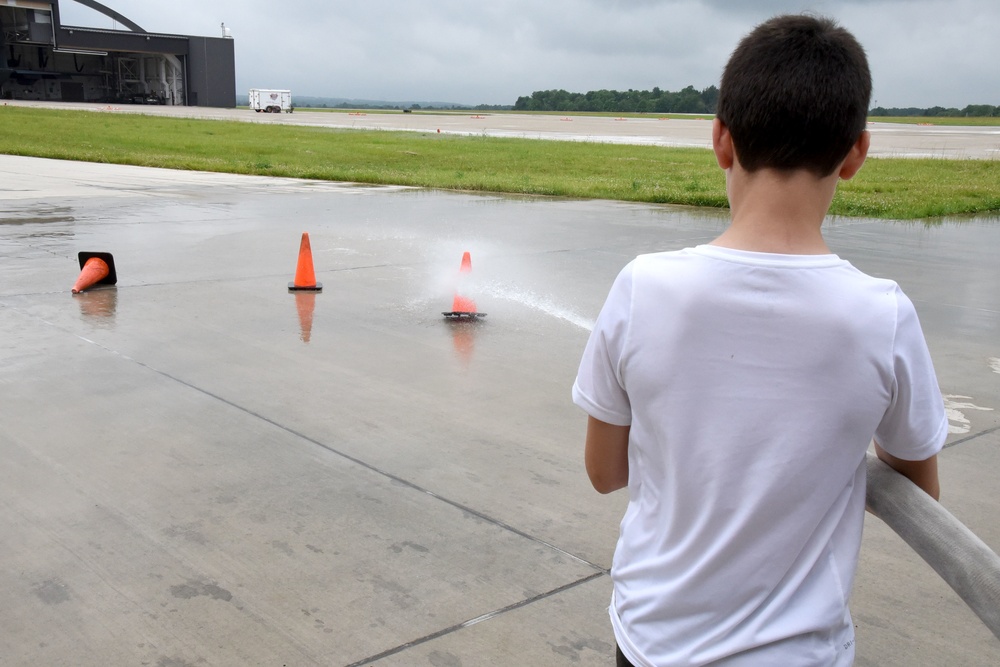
[
  {"x": 922, "y": 473},
  {"x": 606, "y": 455}
]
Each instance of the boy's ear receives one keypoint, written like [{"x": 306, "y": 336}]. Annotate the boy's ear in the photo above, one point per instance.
[
  {"x": 856, "y": 157},
  {"x": 722, "y": 144}
]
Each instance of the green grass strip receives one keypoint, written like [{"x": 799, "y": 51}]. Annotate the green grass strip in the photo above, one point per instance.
[{"x": 885, "y": 188}]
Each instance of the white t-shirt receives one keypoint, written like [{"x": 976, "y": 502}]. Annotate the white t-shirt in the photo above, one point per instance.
[{"x": 753, "y": 384}]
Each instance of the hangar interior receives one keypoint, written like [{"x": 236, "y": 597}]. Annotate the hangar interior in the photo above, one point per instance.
[{"x": 41, "y": 59}]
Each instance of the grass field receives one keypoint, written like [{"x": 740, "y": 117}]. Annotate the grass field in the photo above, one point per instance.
[{"x": 885, "y": 188}]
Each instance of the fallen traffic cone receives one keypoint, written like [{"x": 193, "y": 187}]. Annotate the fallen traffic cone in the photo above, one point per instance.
[
  {"x": 305, "y": 277},
  {"x": 463, "y": 307},
  {"x": 96, "y": 268}
]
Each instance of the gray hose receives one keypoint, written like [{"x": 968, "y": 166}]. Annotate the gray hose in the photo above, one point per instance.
[{"x": 963, "y": 560}]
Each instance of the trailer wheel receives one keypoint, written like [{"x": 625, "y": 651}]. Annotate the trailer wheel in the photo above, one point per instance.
[{"x": 257, "y": 110}]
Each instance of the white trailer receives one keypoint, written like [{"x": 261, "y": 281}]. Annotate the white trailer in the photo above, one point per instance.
[{"x": 270, "y": 101}]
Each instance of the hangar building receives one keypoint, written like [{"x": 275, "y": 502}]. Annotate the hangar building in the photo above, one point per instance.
[{"x": 42, "y": 59}]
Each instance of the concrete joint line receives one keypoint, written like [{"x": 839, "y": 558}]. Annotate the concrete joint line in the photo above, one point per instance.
[
  {"x": 485, "y": 617},
  {"x": 972, "y": 437},
  {"x": 384, "y": 473}
]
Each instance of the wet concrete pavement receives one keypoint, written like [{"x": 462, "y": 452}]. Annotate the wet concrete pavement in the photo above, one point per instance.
[{"x": 201, "y": 468}]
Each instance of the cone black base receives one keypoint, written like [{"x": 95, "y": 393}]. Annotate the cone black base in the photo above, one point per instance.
[
  {"x": 458, "y": 315},
  {"x": 318, "y": 287}
]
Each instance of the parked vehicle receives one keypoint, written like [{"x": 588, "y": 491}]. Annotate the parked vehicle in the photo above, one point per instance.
[{"x": 270, "y": 101}]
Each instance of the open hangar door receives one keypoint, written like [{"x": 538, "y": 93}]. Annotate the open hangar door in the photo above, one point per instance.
[{"x": 40, "y": 59}]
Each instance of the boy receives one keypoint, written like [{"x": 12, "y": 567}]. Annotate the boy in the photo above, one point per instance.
[{"x": 735, "y": 387}]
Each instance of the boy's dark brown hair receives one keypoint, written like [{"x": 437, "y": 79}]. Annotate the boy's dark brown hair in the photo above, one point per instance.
[{"x": 795, "y": 94}]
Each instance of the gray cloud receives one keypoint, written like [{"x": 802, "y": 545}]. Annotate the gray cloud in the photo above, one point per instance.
[{"x": 923, "y": 52}]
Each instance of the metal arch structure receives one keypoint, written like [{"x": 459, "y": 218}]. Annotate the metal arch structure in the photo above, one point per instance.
[{"x": 110, "y": 13}]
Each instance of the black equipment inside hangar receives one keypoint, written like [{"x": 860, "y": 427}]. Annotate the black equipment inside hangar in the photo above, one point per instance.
[{"x": 42, "y": 59}]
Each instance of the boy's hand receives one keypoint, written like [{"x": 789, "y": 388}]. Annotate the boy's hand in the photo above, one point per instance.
[{"x": 922, "y": 473}]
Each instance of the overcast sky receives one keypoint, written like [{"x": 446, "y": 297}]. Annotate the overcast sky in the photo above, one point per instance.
[{"x": 922, "y": 52}]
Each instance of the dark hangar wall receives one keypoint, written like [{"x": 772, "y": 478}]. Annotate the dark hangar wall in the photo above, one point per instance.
[{"x": 211, "y": 72}]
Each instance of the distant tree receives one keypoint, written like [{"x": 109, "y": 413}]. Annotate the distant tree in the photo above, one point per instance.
[
  {"x": 710, "y": 96},
  {"x": 688, "y": 100},
  {"x": 981, "y": 110},
  {"x": 970, "y": 110},
  {"x": 942, "y": 112}
]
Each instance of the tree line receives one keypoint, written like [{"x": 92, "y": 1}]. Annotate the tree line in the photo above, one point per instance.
[
  {"x": 688, "y": 100},
  {"x": 979, "y": 110}
]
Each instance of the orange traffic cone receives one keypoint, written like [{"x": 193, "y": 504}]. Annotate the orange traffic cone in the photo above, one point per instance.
[
  {"x": 463, "y": 307},
  {"x": 305, "y": 277},
  {"x": 96, "y": 268}
]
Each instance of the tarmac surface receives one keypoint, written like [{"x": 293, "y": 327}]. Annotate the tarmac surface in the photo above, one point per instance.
[
  {"x": 888, "y": 139},
  {"x": 201, "y": 468}
]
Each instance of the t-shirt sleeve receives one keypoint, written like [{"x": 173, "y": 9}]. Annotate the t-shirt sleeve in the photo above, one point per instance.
[
  {"x": 599, "y": 388},
  {"x": 915, "y": 425}
]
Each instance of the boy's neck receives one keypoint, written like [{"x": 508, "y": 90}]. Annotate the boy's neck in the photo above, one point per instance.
[{"x": 777, "y": 212}]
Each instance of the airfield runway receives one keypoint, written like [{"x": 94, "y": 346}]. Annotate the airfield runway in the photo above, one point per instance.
[
  {"x": 888, "y": 139},
  {"x": 201, "y": 468}
]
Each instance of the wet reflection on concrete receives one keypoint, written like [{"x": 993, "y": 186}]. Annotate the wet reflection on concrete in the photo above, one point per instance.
[
  {"x": 38, "y": 215},
  {"x": 463, "y": 338},
  {"x": 98, "y": 305},
  {"x": 305, "y": 305}
]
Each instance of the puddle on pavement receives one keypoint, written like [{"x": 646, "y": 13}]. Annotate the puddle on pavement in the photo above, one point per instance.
[
  {"x": 98, "y": 306},
  {"x": 37, "y": 215}
]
